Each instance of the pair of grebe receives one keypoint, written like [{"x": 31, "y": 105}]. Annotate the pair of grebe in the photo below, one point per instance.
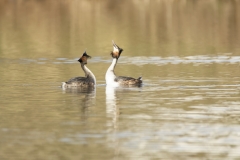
[{"x": 110, "y": 77}]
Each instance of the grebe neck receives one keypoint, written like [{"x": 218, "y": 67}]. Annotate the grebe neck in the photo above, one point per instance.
[
  {"x": 110, "y": 75},
  {"x": 88, "y": 73},
  {"x": 112, "y": 66}
]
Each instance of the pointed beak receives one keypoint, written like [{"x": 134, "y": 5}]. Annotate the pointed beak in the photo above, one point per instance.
[{"x": 114, "y": 45}]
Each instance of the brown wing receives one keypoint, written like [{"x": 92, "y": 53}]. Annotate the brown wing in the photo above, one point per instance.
[
  {"x": 128, "y": 80},
  {"x": 79, "y": 81}
]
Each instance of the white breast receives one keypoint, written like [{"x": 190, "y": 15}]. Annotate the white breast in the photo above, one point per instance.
[{"x": 109, "y": 77}]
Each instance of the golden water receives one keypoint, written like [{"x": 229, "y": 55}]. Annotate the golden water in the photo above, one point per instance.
[{"x": 186, "y": 51}]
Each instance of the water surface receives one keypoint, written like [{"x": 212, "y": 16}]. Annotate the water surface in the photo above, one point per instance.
[{"x": 187, "y": 53}]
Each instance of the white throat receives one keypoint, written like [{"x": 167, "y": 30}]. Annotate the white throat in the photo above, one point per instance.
[
  {"x": 88, "y": 73},
  {"x": 110, "y": 75}
]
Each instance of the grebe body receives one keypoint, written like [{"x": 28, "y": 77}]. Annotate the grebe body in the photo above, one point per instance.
[
  {"x": 112, "y": 79},
  {"x": 87, "y": 81}
]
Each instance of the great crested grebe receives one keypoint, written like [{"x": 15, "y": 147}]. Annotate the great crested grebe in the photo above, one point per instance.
[
  {"x": 111, "y": 78},
  {"x": 88, "y": 80}
]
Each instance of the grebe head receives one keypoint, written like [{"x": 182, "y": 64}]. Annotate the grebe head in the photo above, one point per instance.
[
  {"x": 116, "y": 51},
  {"x": 84, "y": 58}
]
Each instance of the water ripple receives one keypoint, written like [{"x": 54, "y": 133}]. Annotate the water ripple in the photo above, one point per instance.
[{"x": 142, "y": 60}]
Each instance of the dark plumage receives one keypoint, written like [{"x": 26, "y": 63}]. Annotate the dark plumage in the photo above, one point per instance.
[
  {"x": 80, "y": 81},
  {"x": 122, "y": 80}
]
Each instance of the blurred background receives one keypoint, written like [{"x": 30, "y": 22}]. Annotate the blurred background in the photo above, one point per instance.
[
  {"x": 186, "y": 50},
  {"x": 143, "y": 28}
]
